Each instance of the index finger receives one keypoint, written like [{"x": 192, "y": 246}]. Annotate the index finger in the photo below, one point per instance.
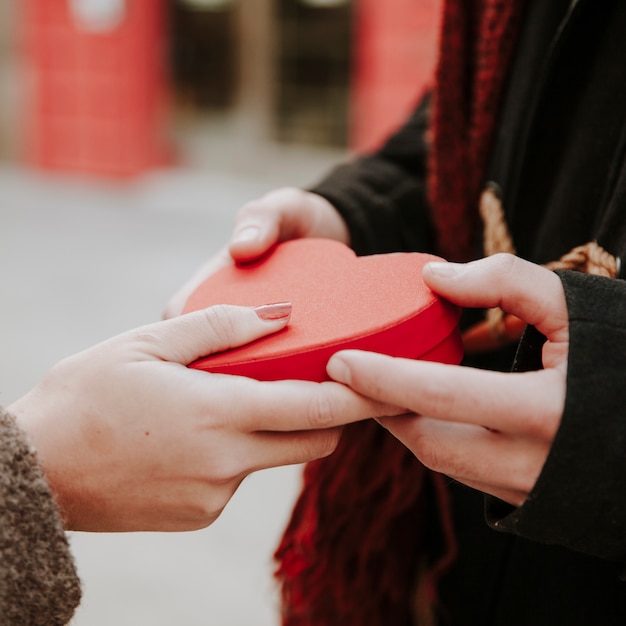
[
  {"x": 509, "y": 402},
  {"x": 527, "y": 290},
  {"x": 295, "y": 405}
]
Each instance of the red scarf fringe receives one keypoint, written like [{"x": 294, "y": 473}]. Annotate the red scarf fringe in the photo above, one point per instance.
[{"x": 350, "y": 553}]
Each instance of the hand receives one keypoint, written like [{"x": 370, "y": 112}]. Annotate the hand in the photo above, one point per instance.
[
  {"x": 280, "y": 215},
  {"x": 489, "y": 430},
  {"x": 131, "y": 439}
]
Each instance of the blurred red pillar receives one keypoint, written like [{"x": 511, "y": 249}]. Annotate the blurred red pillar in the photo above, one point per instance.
[
  {"x": 395, "y": 55},
  {"x": 96, "y": 92}
]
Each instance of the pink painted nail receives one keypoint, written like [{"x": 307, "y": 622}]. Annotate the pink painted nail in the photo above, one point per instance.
[{"x": 274, "y": 312}]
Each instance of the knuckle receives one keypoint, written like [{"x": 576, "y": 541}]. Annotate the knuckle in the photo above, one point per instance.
[
  {"x": 381, "y": 409},
  {"x": 329, "y": 441},
  {"x": 438, "y": 400},
  {"x": 220, "y": 322},
  {"x": 222, "y": 471},
  {"x": 505, "y": 261},
  {"x": 142, "y": 341},
  {"x": 144, "y": 337},
  {"x": 428, "y": 450},
  {"x": 320, "y": 412},
  {"x": 505, "y": 265},
  {"x": 320, "y": 444},
  {"x": 204, "y": 511}
]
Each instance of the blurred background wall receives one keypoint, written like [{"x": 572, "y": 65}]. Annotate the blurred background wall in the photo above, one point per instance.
[{"x": 109, "y": 84}]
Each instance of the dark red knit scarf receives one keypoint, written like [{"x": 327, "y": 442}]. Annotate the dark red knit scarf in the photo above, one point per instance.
[
  {"x": 355, "y": 550},
  {"x": 477, "y": 41}
]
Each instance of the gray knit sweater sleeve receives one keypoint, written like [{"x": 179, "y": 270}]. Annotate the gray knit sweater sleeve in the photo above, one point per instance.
[{"x": 38, "y": 580}]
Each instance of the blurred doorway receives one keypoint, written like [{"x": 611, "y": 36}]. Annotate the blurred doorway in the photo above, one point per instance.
[
  {"x": 281, "y": 66},
  {"x": 204, "y": 54}
]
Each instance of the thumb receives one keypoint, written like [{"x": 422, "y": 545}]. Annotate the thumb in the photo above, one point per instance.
[
  {"x": 257, "y": 229},
  {"x": 282, "y": 214},
  {"x": 189, "y": 337}
]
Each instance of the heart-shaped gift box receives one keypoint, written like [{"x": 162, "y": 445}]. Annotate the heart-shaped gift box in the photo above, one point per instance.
[{"x": 377, "y": 303}]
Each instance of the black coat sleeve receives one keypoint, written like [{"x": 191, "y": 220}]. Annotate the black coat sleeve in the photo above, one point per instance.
[
  {"x": 579, "y": 500},
  {"x": 382, "y": 196}
]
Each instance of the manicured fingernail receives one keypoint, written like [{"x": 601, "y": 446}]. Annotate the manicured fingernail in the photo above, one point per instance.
[
  {"x": 274, "y": 312},
  {"x": 246, "y": 235},
  {"x": 445, "y": 270}
]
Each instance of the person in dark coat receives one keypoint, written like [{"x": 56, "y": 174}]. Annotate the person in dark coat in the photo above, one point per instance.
[{"x": 518, "y": 151}]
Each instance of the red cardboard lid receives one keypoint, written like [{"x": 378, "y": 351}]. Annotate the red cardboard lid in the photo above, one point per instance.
[{"x": 378, "y": 303}]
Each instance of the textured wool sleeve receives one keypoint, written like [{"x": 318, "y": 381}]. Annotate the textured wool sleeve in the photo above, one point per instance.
[
  {"x": 579, "y": 500},
  {"x": 38, "y": 581},
  {"x": 382, "y": 196}
]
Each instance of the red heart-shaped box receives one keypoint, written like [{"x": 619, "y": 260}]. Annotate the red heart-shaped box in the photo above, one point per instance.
[{"x": 377, "y": 303}]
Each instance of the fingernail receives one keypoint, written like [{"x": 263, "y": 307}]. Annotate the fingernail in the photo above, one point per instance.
[
  {"x": 274, "y": 312},
  {"x": 445, "y": 270},
  {"x": 246, "y": 235},
  {"x": 338, "y": 370}
]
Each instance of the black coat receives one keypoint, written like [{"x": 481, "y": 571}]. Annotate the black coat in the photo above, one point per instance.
[{"x": 559, "y": 161}]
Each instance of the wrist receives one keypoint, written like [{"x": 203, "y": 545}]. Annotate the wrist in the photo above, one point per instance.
[{"x": 33, "y": 425}]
